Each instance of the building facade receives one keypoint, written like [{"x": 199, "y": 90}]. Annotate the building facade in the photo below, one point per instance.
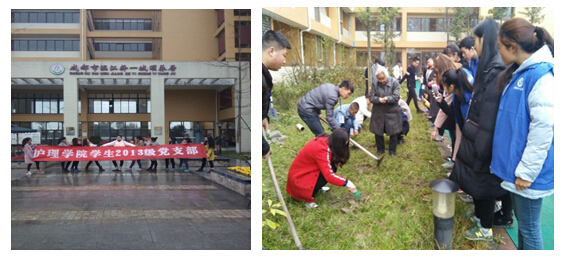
[
  {"x": 330, "y": 36},
  {"x": 102, "y": 73}
]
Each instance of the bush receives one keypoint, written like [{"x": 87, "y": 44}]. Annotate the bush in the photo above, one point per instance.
[{"x": 95, "y": 140}]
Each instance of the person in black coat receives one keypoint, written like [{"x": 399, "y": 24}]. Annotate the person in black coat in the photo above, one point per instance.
[
  {"x": 274, "y": 51},
  {"x": 472, "y": 167},
  {"x": 410, "y": 76}
]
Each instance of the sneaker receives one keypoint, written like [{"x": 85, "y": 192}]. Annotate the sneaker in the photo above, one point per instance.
[
  {"x": 101, "y": 169},
  {"x": 28, "y": 173},
  {"x": 116, "y": 169},
  {"x": 164, "y": 168},
  {"x": 419, "y": 111},
  {"x": 448, "y": 165},
  {"x": 40, "y": 171},
  {"x": 466, "y": 198},
  {"x": 325, "y": 189},
  {"x": 311, "y": 205},
  {"x": 127, "y": 169},
  {"x": 199, "y": 170},
  {"x": 498, "y": 206},
  {"x": 401, "y": 141},
  {"x": 450, "y": 147},
  {"x": 476, "y": 234},
  {"x": 500, "y": 221},
  {"x": 470, "y": 215},
  {"x": 186, "y": 170},
  {"x": 439, "y": 138}
]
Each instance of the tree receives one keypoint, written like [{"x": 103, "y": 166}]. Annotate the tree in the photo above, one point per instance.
[
  {"x": 534, "y": 14},
  {"x": 386, "y": 18},
  {"x": 461, "y": 24},
  {"x": 500, "y": 13}
]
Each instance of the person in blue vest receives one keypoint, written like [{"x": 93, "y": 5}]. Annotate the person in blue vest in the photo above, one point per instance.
[{"x": 524, "y": 136}]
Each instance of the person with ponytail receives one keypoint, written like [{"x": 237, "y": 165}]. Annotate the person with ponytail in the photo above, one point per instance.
[
  {"x": 316, "y": 164},
  {"x": 523, "y": 142},
  {"x": 472, "y": 166},
  {"x": 28, "y": 155}
]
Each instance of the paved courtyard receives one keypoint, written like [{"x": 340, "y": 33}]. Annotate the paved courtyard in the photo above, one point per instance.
[{"x": 125, "y": 210}]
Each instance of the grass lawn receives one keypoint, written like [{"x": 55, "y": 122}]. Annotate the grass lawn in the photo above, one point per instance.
[{"x": 392, "y": 212}]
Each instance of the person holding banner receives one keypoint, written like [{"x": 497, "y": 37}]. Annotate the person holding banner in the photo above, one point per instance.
[
  {"x": 153, "y": 161},
  {"x": 182, "y": 160},
  {"x": 63, "y": 142},
  {"x": 119, "y": 142},
  {"x": 74, "y": 167},
  {"x": 28, "y": 153},
  {"x": 138, "y": 142},
  {"x": 86, "y": 142},
  {"x": 209, "y": 146}
]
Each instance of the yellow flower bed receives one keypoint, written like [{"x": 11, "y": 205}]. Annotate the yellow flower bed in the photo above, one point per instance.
[{"x": 242, "y": 170}]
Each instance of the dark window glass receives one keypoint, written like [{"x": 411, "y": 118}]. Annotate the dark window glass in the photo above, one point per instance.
[
  {"x": 15, "y": 45},
  {"x": 119, "y": 47},
  {"x": 105, "y": 47},
  {"x": 75, "y": 17},
  {"x": 127, "y": 24},
  {"x": 127, "y": 47},
  {"x": 14, "y": 20},
  {"x": 112, "y": 24},
  {"x": 68, "y": 45},
  {"x": 42, "y": 17},
  {"x": 50, "y": 17},
  {"x": 24, "y": 17},
  {"x": 59, "y": 17},
  {"x": 50, "y": 45},
  {"x": 119, "y": 24},
  {"x": 133, "y": 47},
  {"x": 141, "y": 47},
  {"x": 23, "y": 45},
  {"x": 105, "y": 25},
  {"x": 59, "y": 45},
  {"x": 148, "y": 47},
  {"x": 41, "y": 45},
  {"x": 112, "y": 47},
  {"x": 67, "y": 17},
  {"x": 76, "y": 45},
  {"x": 133, "y": 24},
  {"x": 98, "y": 24},
  {"x": 33, "y": 17},
  {"x": 32, "y": 45}
]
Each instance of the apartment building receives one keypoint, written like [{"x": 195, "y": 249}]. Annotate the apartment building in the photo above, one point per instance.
[
  {"x": 85, "y": 72},
  {"x": 328, "y": 36}
]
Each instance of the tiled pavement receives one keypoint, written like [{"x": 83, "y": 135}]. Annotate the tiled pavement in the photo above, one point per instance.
[{"x": 126, "y": 210}]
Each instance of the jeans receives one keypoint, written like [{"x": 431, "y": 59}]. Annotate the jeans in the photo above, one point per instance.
[
  {"x": 312, "y": 121},
  {"x": 527, "y": 212},
  {"x": 348, "y": 124},
  {"x": 184, "y": 161}
]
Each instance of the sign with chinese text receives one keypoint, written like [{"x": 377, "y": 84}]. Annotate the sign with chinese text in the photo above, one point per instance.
[
  {"x": 123, "y": 69},
  {"x": 85, "y": 153},
  {"x": 35, "y": 137}
]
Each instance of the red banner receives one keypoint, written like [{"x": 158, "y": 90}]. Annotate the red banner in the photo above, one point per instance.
[{"x": 82, "y": 153}]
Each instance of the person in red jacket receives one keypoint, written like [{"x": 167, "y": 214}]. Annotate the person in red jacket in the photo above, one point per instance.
[{"x": 316, "y": 164}]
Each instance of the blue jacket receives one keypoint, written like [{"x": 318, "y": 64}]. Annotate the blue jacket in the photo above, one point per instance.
[
  {"x": 524, "y": 136},
  {"x": 344, "y": 110}
]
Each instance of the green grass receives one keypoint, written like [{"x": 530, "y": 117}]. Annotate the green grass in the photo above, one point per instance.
[{"x": 391, "y": 213}]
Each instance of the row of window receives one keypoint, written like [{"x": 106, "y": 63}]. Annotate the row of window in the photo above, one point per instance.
[
  {"x": 45, "y": 45},
  {"x": 428, "y": 24},
  {"x": 45, "y": 17},
  {"x": 97, "y": 103},
  {"x": 119, "y": 106},
  {"x": 123, "y": 47},
  {"x": 123, "y": 24}
]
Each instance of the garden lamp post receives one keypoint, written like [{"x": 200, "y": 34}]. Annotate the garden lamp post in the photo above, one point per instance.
[{"x": 443, "y": 208}]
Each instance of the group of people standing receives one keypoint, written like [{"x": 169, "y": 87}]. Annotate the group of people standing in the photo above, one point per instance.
[
  {"x": 209, "y": 143},
  {"x": 493, "y": 92}
]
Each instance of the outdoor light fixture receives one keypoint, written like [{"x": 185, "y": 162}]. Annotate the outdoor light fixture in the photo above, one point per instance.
[{"x": 443, "y": 208}]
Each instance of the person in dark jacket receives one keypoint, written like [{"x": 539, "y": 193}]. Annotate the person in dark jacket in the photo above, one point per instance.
[
  {"x": 323, "y": 97},
  {"x": 410, "y": 76},
  {"x": 274, "y": 51},
  {"x": 472, "y": 167},
  {"x": 86, "y": 142},
  {"x": 386, "y": 115}
]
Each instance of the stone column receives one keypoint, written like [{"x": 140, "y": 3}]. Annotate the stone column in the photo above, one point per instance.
[
  {"x": 157, "y": 109},
  {"x": 70, "y": 94}
]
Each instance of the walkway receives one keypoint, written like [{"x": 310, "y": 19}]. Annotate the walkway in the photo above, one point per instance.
[{"x": 125, "y": 210}]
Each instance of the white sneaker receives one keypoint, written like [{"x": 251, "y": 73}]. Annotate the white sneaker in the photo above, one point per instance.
[
  {"x": 466, "y": 198},
  {"x": 28, "y": 173},
  {"x": 311, "y": 205},
  {"x": 498, "y": 206},
  {"x": 448, "y": 165},
  {"x": 439, "y": 138},
  {"x": 325, "y": 189}
]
